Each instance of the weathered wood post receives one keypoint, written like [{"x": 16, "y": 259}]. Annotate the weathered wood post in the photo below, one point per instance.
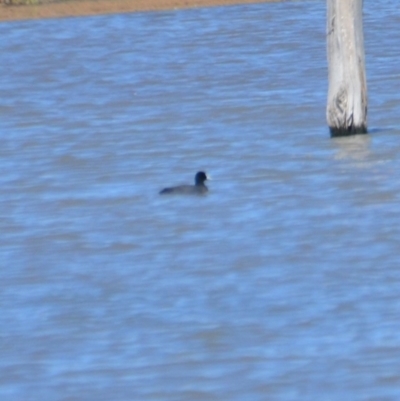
[{"x": 347, "y": 95}]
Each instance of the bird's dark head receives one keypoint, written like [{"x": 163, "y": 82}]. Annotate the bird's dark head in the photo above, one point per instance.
[{"x": 200, "y": 177}]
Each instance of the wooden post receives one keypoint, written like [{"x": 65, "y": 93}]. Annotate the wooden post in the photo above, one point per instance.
[{"x": 347, "y": 96}]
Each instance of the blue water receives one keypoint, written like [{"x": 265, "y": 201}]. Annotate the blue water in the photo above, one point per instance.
[{"x": 281, "y": 284}]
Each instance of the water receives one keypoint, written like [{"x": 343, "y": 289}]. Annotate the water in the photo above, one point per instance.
[{"x": 281, "y": 284}]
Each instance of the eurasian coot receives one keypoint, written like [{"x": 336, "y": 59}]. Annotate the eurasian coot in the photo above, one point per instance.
[{"x": 197, "y": 189}]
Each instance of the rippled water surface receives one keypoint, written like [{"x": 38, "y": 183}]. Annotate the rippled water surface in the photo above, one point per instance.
[{"x": 281, "y": 284}]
